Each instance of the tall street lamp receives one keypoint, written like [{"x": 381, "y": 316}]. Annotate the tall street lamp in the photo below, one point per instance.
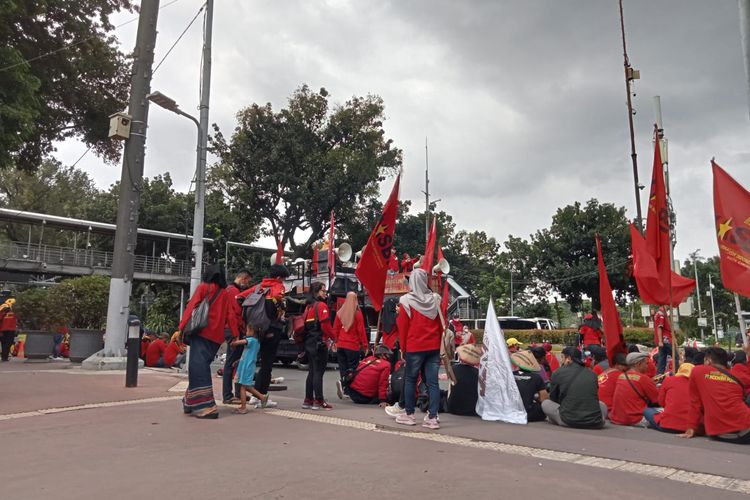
[{"x": 170, "y": 104}]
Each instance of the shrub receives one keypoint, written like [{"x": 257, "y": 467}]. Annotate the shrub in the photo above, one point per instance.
[
  {"x": 567, "y": 336},
  {"x": 81, "y": 302},
  {"x": 32, "y": 309}
]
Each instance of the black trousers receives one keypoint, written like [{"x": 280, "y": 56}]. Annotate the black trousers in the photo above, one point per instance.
[
  {"x": 361, "y": 399},
  {"x": 317, "y": 354},
  {"x": 269, "y": 344},
  {"x": 347, "y": 359},
  {"x": 6, "y": 340},
  {"x": 233, "y": 354}
]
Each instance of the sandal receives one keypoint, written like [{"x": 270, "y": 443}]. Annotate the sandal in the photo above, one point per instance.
[
  {"x": 264, "y": 401},
  {"x": 233, "y": 401},
  {"x": 240, "y": 411}
]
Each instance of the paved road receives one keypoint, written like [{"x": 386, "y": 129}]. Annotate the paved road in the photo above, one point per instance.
[{"x": 149, "y": 449}]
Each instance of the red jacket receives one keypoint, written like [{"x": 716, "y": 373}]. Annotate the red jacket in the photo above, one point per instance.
[
  {"x": 372, "y": 378},
  {"x": 354, "y": 339},
  {"x": 418, "y": 333},
  {"x": 742, "y": 372},
  {"x": 552, "y": 361},
  {"x": 219, "y": 314},
  {"x": 607, "y": 384},
  {"x": 171, "y": 352},
  {"x": 591, "y": 336},
  {"x": 236, "y": 309},
  {"x": 276, "y": 286},
  {"x": 627, "y": 406},
  {"x": 674, "y": 396},
  {"x": 155, "y": 352},
  {"x": 324, "y": 317},
  {"x": 8, "y": 323},
  {"x": 718, "y": 400},
  {"x": 389, "y": 338}
]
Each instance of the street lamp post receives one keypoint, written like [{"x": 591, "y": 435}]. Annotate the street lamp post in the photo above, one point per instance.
[
  {"x": 694, "y": 255},
  {"x": 713, "y": 310}
]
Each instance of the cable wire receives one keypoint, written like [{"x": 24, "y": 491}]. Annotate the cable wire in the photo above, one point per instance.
[{"x": 178, "y": 39}]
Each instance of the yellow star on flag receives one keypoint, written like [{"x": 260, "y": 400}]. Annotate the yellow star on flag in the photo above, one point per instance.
[
  {"x": 381, "y": 229},
  {"x": 724, "y": 228}
]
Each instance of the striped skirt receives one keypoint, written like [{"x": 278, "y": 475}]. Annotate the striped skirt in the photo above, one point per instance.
[{"x": 199, "y": 396}]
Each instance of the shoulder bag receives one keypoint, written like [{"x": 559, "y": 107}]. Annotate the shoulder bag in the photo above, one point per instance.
[{"x": 198, "y": 317}]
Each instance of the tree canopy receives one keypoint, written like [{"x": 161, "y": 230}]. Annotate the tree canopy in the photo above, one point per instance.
[
  {"x": 292, "y": 167},
  {"x": 61, "y": 76}
]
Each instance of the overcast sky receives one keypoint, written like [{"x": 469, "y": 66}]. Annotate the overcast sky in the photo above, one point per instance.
[{"x": 523, "y": 102}]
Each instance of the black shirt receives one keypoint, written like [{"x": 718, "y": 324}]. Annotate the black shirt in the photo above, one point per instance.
[
  {"x": 529, "y": 383},
  {"x": 462, "y": 397}
]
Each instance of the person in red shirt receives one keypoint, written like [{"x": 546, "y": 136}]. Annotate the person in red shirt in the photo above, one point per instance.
[
  {"x": 155, "y": 352},
  {"x": 675, "y": 399},
  {"x": 8, "y": 327},
  {"x": 231, "y": 391},
  {"x": 662, "y": 338},
  {"x": 406, "y": 263},
  {"x": 600, "y": 360},
  {"x": 634, "y": 392},
  {"x": 174, "y": 354},
  {"x": 741, "y": 370},
  {"x": 269, "y": 342},
  {"x": 145, "y": 341},
  {"x": 717, "y": 399},
  {"x": 608, "y": 380},
  {"x": 370, "y": 382},
  {"x": 552, "y": 360},
  {"x": 420, "y": 332},
  {"x": 199, "y": 396},
  {"x": 465, "y": 337},
  {"x": 393, "y": 262},
  {"x": 591, "y": 331},
  {"x": 351, "y": 339},
  {"x": 318, "y": 337}
]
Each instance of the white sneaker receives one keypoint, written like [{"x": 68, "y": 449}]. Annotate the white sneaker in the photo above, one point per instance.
[
  {"x": 405, "y": 419},
  {"x": 253, "y": 401},
  {"x": 277, "y": 380},
  {"x": 339, "y": 389},
  {"x": 395, "y": 410},
  {"x": 269, "y": 404}
]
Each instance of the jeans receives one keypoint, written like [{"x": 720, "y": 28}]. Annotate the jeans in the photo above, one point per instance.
[
  {"x": 347, "y": 360},
  {"x": 233, "y": 354},
  {"x": 269, "y": 344},
  {"x": 57, "y": 349},
  {"x": 317, "y": 354},
  {"x": 664, "y": 351},
  {"x": 7, "y": 342},
  {"x": 415, "y": 361}
]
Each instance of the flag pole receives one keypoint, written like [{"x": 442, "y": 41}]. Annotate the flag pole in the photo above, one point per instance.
[{"x": 740, "y": 319}]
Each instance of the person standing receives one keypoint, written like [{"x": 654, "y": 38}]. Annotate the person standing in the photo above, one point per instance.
[
  {"x": 269, "y": 341},
  {"x": 635, "y": 391},
  {"x": 199, "y": 396},
  {"x": 8, "y": 327},
  {"x": 318, "y": 336},
  {"x": 234, "y": 349},
  {"x": 662, "y": 338},
  {"x": 574, "y": 395},
  {"x": 591, "y": 331},
  {"x": 420, "y": 332},
  {"x": 351, "y": 339},
  {"x": 407, "y": 264}
]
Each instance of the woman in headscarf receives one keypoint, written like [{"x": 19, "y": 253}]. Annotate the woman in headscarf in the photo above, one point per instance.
[
  {"x": 351, "y": 339},
  {"x": 199, "y": 396},
  {"x": 420, "y": 333}
]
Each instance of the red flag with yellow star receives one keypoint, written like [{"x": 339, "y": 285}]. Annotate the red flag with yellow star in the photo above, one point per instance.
[
  {"x": 372, "y": 269},
  {"x": 657, "y": 223},
  {"x": 732, "y": 213}
]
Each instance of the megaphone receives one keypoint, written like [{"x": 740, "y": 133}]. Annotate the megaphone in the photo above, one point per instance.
[
  {"x": 442, "y": 266},
  {"x": 300, "y": 260},
  {"x": 273, "y": 258},
  {"x": 344, "y": 252}
]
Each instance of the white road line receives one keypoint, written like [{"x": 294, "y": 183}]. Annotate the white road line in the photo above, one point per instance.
[
  {"x": 89, "y": 406},
  {"x": 670, "y": 473}
]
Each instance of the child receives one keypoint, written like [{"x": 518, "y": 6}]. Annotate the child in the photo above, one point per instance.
[{"x": 245, "y": 375}]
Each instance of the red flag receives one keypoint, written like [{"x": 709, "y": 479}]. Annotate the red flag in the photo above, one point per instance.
[
  {"x": 428, "y": 258},
  {"x": 315, "y": 258},
  {"x": 610, "y": 317},
  {"x": 372, "y": 269},
  {"x": 445, "y": 300},
  {"x": 657, "y": 223},
  {"x": 279, "y": 252},
  {"x": 331, "y": 254},
  {"x": 650, "y": 288},
  {"x": 732, "y": 213}
]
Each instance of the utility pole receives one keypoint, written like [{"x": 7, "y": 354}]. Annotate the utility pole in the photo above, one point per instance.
[
  {"x": 130, "y": 183},
  {"x": 426, "y": 194},
  {"x": 694, "y": 256},
  {"x": 630, "y": 75},
  {"x": 713, "y": 310},
  {"x": 744, "y": 8},
  {"x": 200, "y": 170}
]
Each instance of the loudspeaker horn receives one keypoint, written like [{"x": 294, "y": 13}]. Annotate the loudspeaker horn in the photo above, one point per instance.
[
  {"x": 442, "y": 266},
  {"x": 344, "y": 252}
]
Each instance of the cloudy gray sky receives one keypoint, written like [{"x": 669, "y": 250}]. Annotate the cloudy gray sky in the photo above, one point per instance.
[{"x": 523, "y": 102}]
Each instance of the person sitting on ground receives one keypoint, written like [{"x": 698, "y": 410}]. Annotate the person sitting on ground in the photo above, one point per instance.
[
  {"x": 607, "y": 380},
  {"x": 635, "y": 391},
  {"x": 552, "y": 360},
  {"x": 146, "y": 339},
  {"x": 155, "y": 352},
  {"x": 369, "y": 382},
  {"x": 689, "y": 355},
  {"x": 741, "y": 370},
  {"x": 541, "y": 357},
  {"x": 601, "y": 362},
  {"x": 245, "y": 375},
  {"x": 465, "y": 337},
  {"x": 174, "y": 354},
  {"x": 674, "y": 397},
  {"x": 463, "y": 395},
  {"x": 651, "y": 365},
  {"x": 530, "y": 384},
  {"x": 350, "y": 337},
  {"x": 573, "y": 398},
  {"x": 717, "y": 396},
  {"x": 513, "y": 345}
]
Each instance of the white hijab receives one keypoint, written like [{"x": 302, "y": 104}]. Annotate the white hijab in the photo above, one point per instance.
[{"x": 420, "y": 297}]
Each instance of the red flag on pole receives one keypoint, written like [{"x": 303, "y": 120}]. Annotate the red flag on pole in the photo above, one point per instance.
[
  {"x": 445, "y": 301},
  {"x": 428, "y": 259},
  {"x": 732, "y": 213},
  {"x": 315, "y": 261},
  {"x": 439, "y": 274},
  {"x": 610, "y": 316},
  {"x": 657, "y": 222},
  {"x": 279, "y": 251},
  {"x": 331, "y": 254},
  {"x": 372, "y": 269}
]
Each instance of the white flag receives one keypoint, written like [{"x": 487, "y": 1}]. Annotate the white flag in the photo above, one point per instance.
[{"x": 499, "y": 398}]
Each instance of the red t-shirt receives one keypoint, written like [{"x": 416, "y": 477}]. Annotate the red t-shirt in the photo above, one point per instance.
[
  {"x": 393, "y": 263},
  {"x": 627, "y": 406},
  {"x": 660, "y": 319},
  {"x": 372, "y": 378},
  {"x": 591, "y": 336},
  {"x": 389, "y": 338},
  {"x": 324, "y": 318},
  {"x": 219, "y": 314},
  {"x": 236, "y": 309},
  {"x": 742, "y": 372},
  {"x": 718, "y": 401},
  {"x": 407, "y": 265},
  {"x": 8, "y": 323},
  {"x": 145, "y": 341},
  {"x": 355, "y": 338},
  {"x": 155, "y": 351},
  {"x": 607, "y": 383},
  {"x": 674, "y": 396},
  {"x": 171, "y": 352},
  {"x": 418, "y": 333},
  {"x": 552, "y": 361}
]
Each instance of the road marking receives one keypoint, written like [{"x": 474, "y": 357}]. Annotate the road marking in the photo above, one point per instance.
[
  {"x": 179, "y": 387},
  {"x": 89, "y": 406},
  {"x": 658, "y": 471}
]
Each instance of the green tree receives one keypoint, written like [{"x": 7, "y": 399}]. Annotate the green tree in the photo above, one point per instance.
[
  {"x": 292, "y": 167},
  {"x": 61, "y": 76}
]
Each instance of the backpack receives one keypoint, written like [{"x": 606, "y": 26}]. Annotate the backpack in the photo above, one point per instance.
[{"x": 254, "y": 311}]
